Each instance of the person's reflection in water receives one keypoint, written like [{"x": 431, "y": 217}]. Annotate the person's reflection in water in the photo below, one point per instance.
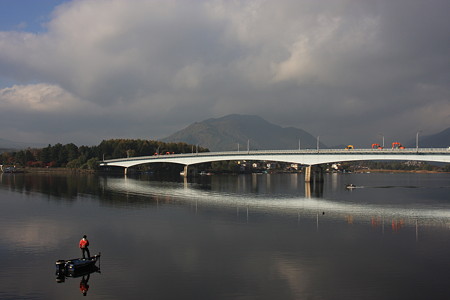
[{"x": 84, "y": 286}]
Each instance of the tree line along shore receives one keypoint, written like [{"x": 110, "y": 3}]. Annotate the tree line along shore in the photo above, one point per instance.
[{"x": 70, "y": 156}]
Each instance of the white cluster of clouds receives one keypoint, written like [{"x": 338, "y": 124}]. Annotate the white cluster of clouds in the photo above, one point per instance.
[
  {"x": 344, "y": 70},
  {"x": 41, "y": 98}
]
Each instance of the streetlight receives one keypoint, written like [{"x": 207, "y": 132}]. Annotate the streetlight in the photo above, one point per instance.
[
  {"x": 318, "y": 142},
  {"x": 382, "y": 138},
  {"x": 417, "y": 140},
  {"x": 298, "y": 144}
]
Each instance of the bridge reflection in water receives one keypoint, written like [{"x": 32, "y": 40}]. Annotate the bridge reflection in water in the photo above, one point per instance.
[{"x": 312, "y": 205}]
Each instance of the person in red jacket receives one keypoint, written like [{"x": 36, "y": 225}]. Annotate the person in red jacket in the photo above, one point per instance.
[{"x": 84, "y": 243}]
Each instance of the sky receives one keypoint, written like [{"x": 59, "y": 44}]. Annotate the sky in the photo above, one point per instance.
[{"x": 349, "y": 71}]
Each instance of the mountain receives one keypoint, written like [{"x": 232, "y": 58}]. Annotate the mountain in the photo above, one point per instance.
[
  {"x": 224, "y": 134},
  {"x": 438, "y": 140},
  {"x": 10, "y": 145}
]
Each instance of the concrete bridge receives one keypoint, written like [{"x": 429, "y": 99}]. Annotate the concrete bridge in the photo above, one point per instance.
[{"x": 306, "y": 157}]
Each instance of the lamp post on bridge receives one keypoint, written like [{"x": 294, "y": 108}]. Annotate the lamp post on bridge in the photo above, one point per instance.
[
  {"x": 382, "y": 136},
  {"x": 417, "y": 140},
  {"x": 318, "y": 142}
]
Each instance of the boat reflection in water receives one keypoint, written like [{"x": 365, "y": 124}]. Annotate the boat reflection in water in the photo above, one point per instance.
[{"x": 76, "y": 268}]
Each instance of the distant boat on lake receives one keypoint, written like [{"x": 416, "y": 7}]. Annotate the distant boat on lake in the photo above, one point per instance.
[{"x": 10, "y": 169}]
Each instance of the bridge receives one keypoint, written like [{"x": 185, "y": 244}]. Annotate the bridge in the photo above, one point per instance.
[{"x": 308, "y": 157}]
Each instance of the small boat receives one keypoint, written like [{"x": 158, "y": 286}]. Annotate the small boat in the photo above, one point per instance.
[
  {"x": 61, "y": 276},
  {"x": 76, "y": 265},
  {"x": 350, "y": 186},
  {"x": 11, "y": 169}
]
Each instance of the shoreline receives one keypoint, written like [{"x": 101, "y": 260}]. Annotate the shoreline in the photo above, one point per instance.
[
  {"x": 56, "y": 170},
  {"x": 399, "y": 171},
  {"x": 86, "y": 171}
]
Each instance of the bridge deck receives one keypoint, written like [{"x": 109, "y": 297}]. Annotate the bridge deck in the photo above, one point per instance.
[{"x": 306, "y": 156}]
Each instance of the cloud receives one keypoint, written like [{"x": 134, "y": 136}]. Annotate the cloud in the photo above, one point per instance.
[
  {"x": 341, "y": 69},
  {"x": 40, "y": 98}
]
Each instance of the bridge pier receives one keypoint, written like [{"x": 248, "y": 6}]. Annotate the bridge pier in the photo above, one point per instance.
[
  {"x": 189, "y": 171},
  {"x": 313, "y": 173},
  {"x": 185, "y": 171},
  {"x": 307, "y": 173},
  {"x": 128, "y": 170}
]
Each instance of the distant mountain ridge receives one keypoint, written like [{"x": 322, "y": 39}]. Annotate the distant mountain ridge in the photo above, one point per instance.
[
  {"x": 224, "y": 134},
  {"x": 11, "y": 145},
  {"x": 438, "y": 140}
]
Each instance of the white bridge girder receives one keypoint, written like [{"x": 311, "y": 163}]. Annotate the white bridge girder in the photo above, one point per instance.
[{"x": 304, "y": 157}]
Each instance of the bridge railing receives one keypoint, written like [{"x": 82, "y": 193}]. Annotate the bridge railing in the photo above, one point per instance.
[{"x": 283, "y": 152}]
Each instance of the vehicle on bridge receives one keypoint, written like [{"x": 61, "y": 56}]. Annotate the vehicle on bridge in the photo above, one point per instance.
[
  {"x": 349, "y": 147},
  {"x": 376, "y": 146},
  {"x": 397, "y": 145}
]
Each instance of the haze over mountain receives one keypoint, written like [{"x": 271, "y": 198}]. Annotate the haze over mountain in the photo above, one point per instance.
[
  {"x": 12, "y": 145},
  {"x": 224, "y": 134}
]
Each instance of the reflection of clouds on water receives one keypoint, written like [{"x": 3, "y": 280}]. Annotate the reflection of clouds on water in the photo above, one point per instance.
[
  {"x": 294, "y": 272},
  {"x": 281, "y": 203},
  {"x": 31, "y": 235}
]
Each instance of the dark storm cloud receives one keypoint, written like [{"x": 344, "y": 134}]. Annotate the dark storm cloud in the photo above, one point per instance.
[{"x": 345, "y": 70}]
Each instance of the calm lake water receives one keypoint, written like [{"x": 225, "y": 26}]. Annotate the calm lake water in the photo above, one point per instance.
[{"x": 228, "y": 237}]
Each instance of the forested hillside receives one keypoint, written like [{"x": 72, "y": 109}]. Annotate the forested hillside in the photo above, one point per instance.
[
  {"x": 87, "y": 157},
  {"x": 226, "y": 133}
]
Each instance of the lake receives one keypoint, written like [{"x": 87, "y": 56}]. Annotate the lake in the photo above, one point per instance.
[{"x": 256, "y": 236}]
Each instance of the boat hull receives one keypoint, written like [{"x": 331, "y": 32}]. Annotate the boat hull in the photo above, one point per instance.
[{"x": 76, "y": 266}]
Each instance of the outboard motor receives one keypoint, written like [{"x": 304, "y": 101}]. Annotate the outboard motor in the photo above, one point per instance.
[
  {"x": 60, "y": 266},
  {"x": 60, "y": 271}
]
